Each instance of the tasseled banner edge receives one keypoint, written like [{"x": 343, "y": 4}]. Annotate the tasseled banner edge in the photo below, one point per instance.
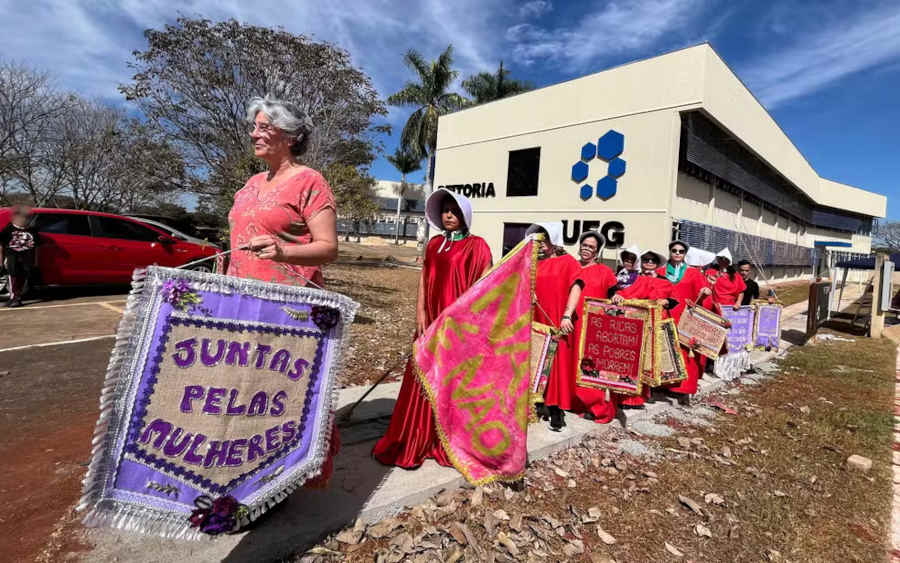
[{"x": 106, "y": 428}]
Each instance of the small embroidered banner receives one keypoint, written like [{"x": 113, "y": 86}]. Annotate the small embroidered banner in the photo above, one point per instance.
[{"x": 218, "y": 401}]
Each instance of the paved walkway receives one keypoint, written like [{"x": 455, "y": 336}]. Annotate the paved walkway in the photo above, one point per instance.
[{"x": 362, "y": 488}]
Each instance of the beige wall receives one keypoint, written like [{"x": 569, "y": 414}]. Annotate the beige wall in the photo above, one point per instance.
[{"x": 644, "y": 192}]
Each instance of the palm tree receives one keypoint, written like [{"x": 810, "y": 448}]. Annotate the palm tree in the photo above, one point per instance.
[
  {"x": 429, "y": 94},
  {"x": 406, "y": 162},
  {"x": 486, "y": 87}
]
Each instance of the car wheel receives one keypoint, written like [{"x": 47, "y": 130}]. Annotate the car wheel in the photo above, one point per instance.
[{"x": 206, "y": 269}]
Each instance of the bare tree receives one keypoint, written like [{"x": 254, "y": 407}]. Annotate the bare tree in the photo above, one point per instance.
[
  {"x": 115, "y": 163},
  {"x": 30, "y": 118}
]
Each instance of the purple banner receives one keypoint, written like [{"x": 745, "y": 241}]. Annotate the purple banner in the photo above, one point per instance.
[
  {"x": 740, "y": 335},
  {"x": 767, "y": 332},
  {"x": 218, "y": 388}
]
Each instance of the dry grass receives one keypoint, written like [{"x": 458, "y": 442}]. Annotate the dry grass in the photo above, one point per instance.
[
  {"x": 382, "y": 333},
  {"x": 790, "y": 293},
  {"x": 778, "y": 466}
]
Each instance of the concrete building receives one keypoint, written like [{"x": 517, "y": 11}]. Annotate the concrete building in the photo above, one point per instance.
[
  {"x": 412, "y": 211},
  {"x": 672, "y": 146}
]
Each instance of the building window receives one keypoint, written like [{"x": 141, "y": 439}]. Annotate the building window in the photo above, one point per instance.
[
  {"x": 513, "y": 234},
  {"x": 522, "y": 174}
]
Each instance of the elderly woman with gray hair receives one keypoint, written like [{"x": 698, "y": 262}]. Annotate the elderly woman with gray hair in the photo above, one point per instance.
[
  {"x": 285, "y": 217},
  {"x": 283, "y": 222}
]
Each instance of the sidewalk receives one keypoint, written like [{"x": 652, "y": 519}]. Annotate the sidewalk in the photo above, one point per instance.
[{"x": 364, "y": 489}]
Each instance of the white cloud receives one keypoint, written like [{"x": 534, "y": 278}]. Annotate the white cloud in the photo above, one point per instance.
[
  {"x": 618, "y": 27},
  {"x": 836, "y": 49},
  {"x": 87, "y": 44},
  {"x": 535, "y": 8}
]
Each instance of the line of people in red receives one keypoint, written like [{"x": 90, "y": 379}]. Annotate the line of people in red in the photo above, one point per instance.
[
  {"x": 455, "y": 259},
  {"x": 563, "y": 283}
]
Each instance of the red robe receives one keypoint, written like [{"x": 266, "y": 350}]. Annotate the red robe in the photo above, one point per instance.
[
  {"x": 555, "y": 278},
  {"x": 598, "y": 279},
  {"x": 412, "y": 435},
  {"x": 726, "y": 290},
  {"x": 688, "y": 287},
  {"x": 645, "y": 287}
]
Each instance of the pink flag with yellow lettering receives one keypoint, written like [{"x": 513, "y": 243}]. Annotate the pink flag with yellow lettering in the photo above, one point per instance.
[{"x": 474, "y": 362}]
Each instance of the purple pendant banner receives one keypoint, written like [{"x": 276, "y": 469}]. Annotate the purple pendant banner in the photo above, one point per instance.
[
  {"x": 219, "y": 393},
  {"x": 767, "y": 332},
  {"x": 740, "y": 335}
]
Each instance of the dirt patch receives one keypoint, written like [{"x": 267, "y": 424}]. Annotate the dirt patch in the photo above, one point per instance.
[
  {"x": 49, "y": 407},
  {"x": 384, "y": 326}
]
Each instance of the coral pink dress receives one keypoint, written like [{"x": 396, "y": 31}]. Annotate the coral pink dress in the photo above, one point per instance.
[{"x": 283, "y": 212}]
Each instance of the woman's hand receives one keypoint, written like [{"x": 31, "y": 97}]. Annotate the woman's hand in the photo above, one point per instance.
[
  {"x": 565, "y": 326},
  {"x": 420, "y": 324},
  {"x": 662, "y": 302},
  {"x": 705, "y": 291},
  {"x": 267, "y": 247},
  {"x": 736, "y": 306},
  {"x": 618, "y": 299}
]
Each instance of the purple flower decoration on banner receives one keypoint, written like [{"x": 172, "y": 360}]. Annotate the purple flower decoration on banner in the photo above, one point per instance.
[
  {"x": 179, "y": 295},
  {"x": 325, "y": 317},
  {"x": 217, "y": 516}
]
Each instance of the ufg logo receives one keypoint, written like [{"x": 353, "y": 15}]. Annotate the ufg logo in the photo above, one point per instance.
[{"x": 607, "y": 149}]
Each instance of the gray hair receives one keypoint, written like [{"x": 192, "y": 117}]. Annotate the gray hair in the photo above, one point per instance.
[{"x": 287, "y": 117}]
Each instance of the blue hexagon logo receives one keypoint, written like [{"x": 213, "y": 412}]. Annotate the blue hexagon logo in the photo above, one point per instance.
[
  {"x": 616, "y": 167},
  {"x": 579, "y": 171},
  {"x": 610, "y": 145},
  {"x": 588, "y": 152},
  {"x": 606, "y": 187},
  {"x": 608, "y": 149}
]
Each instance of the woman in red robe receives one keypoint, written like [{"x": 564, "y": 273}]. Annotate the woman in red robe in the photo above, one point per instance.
[
  {"x": 690, "y": 286},
  {"x": 454, "y": 261},
  {"x": 598, "y": 281},
  {"x": 558, "y": 290},
  {"x": 649, "y": 286},
  {"x": 729, "y": 287}
]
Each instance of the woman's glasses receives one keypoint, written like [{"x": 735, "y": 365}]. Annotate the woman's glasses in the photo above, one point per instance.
[
  {"x": 263, "y": 128},
  {"x": 678, "y": 251},
  {"x": 649, "y": 260}
]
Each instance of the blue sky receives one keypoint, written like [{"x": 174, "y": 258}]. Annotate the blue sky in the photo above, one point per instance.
[{"x": 828, "y": 71}]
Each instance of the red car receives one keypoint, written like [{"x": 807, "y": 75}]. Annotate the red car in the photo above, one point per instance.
[{"x": 87, "y": 247}]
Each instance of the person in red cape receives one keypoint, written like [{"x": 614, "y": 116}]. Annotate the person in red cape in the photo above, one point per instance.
[
  {"x": 690, "y": 286},
  {"x": 598, "y": 281},
  {"x": 557, "y": 290},
  {"x": 652, "y": 287},
  {"x": 729, "y": 287},
  {"x": 454, "y": 261}
]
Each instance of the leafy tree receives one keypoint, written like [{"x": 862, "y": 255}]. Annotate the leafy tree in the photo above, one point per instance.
[
  {"x": 432, "y": 99},
  {"x": 354, "y": 192},
  {"x": 195, "y": 78},
  {"x": 486, "y": 87},
  {"x": 406, "y": 162}
]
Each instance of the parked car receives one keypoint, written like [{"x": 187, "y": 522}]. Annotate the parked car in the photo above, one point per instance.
[
  {"x": 173, "y": 231},
  {"x": 88, "y": 247}
]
